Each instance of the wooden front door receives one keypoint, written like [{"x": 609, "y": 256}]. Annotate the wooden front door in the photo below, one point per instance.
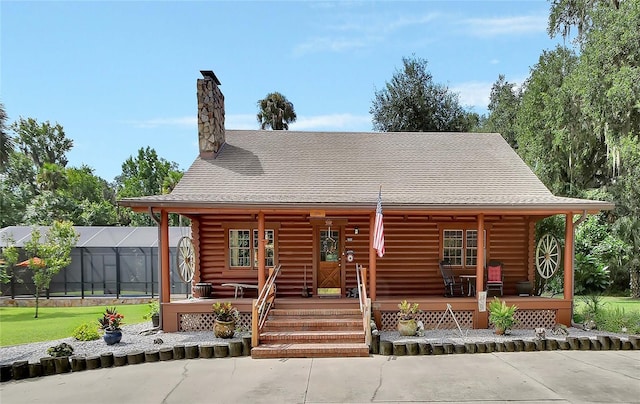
[{"x": 329, "y": 267}]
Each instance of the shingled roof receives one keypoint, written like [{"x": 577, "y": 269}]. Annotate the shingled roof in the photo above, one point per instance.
[{"x": 417, "y": 170}]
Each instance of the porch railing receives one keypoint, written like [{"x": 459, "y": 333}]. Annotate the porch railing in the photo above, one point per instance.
[
  {"x": 262, "y": 304},
  {"x": 365, "y": 302}
]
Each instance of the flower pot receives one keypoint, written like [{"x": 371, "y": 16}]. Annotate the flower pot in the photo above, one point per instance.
[
  {"x": 112, "y": 337},
  {"x": 155, "y": 320},
  {"x": 407, "y": 327},
  {"x": 524, "y": 288},
  {"x": 499, "y": 331},
  {"x": 224, "y": 329},
  {"x": 202, "y": 290}
]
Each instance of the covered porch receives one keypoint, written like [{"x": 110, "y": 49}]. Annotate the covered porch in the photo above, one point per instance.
[{"x": 533, "y": 311}]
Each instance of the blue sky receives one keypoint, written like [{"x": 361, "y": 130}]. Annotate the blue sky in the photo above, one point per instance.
[{"x": 119, "y": 75}]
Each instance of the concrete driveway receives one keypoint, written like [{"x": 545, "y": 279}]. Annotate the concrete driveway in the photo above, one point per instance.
[{"x": 549, "y": 376}]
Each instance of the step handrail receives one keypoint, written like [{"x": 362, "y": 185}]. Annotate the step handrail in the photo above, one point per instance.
[
  {"x": 262, "y": 304},
  {"x": 365, "y": 302}
]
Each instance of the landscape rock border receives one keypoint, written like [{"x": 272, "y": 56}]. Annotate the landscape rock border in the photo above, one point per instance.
[{"x": 50, "y": 365}]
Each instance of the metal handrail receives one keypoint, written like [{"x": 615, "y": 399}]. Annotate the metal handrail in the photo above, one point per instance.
[
  {"x": 365, "y": 302},
  {"x": 261, "y": 306}
]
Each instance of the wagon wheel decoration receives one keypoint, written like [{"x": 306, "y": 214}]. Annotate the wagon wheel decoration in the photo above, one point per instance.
[
  {"x": 547, "y": 256},
  {"x": 185, "y": 259}
]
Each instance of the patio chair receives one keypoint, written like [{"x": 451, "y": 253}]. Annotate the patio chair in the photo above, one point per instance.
[
  {"x": 450, "y": 283},
  {"x": 494, "y": 276}
]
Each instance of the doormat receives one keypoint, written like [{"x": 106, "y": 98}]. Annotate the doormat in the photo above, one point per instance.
[{"x": 329, "y": 292}]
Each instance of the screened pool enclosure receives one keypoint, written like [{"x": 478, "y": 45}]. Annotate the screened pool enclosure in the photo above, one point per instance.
[{"x": 107, "y": 261}]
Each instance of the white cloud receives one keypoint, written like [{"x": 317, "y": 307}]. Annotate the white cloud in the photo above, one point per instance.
[
  {"x": 342, "y": 122},
  {"x": 494, "y": 61},
  {"x": 473, "y": 93},
  {"x": 487, "y": 27},
  {"x": 327, "y": 44},
  {"x": 184, "y": 121},
  {"x": 365, "y": 31}
]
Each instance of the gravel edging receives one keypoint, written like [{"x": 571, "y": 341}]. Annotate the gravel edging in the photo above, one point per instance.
[{"x": 140, "y": 344}]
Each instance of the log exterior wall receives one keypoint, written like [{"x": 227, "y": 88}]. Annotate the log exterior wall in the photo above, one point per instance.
[{"x": 409, "y": 267}]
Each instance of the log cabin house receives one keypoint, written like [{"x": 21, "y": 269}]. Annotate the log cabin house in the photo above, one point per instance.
[{"x": 312, "y": 196}]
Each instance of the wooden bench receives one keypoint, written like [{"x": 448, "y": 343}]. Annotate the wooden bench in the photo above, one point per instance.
[{"x": 239, "y": 288}]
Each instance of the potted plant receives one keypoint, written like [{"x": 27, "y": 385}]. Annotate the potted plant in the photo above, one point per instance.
[
  {"x": 501, "y": 316},
  {"x": 407, "y": 325},
  {"x": 154, "y": 313},
  {"x": 111, "y": 322},
  {"x": 224, "y": 319}
]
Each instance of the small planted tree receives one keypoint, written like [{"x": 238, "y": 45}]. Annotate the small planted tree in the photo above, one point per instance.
[
  {"x": 48, "y": 258},
  {"x": 8, "y": 258}
]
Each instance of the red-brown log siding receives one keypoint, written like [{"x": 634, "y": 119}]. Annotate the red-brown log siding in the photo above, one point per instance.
[{"x": 409, "y": 267}]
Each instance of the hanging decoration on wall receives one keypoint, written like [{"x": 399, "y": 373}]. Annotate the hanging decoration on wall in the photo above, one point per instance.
[
  {"x": 329, "y": 245},
  {"x": 548, "y": 256},
  {"x": 185, "y": 257}
]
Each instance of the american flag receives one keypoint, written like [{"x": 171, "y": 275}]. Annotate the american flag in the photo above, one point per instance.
[{"x": 378, "y": 231}]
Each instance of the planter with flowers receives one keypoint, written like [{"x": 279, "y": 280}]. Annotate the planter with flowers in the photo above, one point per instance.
[
  {"x": 407, "y": 325},
  {"x": 111, "y": 322},
  {"x": 225, "y": 317}
]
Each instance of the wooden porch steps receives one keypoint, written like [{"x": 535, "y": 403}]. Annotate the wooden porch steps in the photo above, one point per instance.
[{"x": 312, "y": 333}]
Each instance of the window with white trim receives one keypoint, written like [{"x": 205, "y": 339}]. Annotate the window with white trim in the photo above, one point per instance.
[
  {"x": 269, "y": 250},
  {"x": 471, "y": 250},
  {"x": 239, "y": 248},
  {"x": 243, "y": 248},
  {"x": 452, "y": 246},
  {"x": 460, "y": 247}
]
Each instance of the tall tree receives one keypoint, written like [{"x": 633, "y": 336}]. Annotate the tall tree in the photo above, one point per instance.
[
  {"x": 43, "y": 143},
  {"x": 143, "y": 175},
  {"x": 48, "y": 258},
  {"x": 412, "y": 102},
  {"x": 275, "y": 112},
  {"x": 565, "y": 14},
  {"x": 6, "y": 142},
  {"x": 552, "y": 136},
  {"x": 504, "y": 102}
]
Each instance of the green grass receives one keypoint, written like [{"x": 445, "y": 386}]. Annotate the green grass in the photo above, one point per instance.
[
  {"x": 626, "y": 303},
  {"x": 610, "y": 313},
  {"x": 18, "y": 326}
]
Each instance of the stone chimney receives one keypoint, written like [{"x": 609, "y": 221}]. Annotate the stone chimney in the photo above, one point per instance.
[{"x": 210, "y": 115}]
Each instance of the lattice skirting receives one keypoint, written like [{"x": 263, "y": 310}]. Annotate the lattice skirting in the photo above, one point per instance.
[
  {"x": 535, "y": 319},
  {"x": 430, "y": 319},
  {"x": 204, "y": 322}
]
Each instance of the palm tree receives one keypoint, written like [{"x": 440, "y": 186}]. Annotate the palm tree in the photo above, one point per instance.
[{"x": 276, "y": 112}]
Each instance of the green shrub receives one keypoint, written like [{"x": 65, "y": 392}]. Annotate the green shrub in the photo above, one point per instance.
[
  {"x": 616, "y": 319},
  {"x": 86, "y": 332},
  {"x": 589, "y": 276},
  {"x": 61, "y": 350}
]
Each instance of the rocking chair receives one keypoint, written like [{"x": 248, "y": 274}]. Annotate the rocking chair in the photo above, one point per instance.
[{"x": 450, "y": 283}]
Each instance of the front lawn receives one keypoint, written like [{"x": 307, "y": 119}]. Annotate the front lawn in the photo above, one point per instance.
[{"x": 17, "y": 325}]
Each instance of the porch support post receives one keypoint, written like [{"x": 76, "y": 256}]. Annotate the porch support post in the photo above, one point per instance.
[
  {"x": 372, "y": 258},
  {"x": 482, "y": 318},
  {"x": 165, "y": 292},
  {"x": 480, "y": 255},
  {"x": 261, "y": 244},
  {"x": 568, "y": 257}
]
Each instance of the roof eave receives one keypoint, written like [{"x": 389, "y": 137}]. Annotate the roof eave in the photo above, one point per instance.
[{"x": 531, "y": 208}]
